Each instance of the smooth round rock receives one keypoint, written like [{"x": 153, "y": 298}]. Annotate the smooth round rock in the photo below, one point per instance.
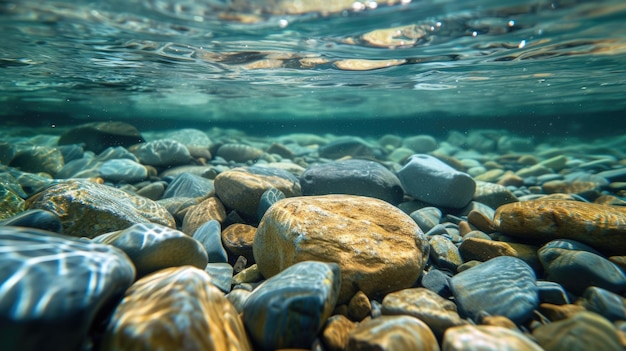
[
  {"x": 392, "y": 333},
  {"x": 188, "y": 185},
  {"x": 162, "y": 152},
  {"x": 123, "y": 170},
  {"x": 89, "y": 209},
  {"x": 38, "y": 159},
  {"x": 175, "y": 309},
  {"x": 420, "y": 143},
  {"x": 238, "y": 238},
  {"x": 241, "y": 188},
  {"x": 378, "y": 247},
  {"x": 289, "y": 309},
  {"x": 503, "y": 286},
  {"x": 599, "y": 226},
  {"x": 239, "y": 152},
  {"x": 428, "y": 179},
  {"x": 152, "y": 247},
  {"x": 352, "y": 146},
  {"x": 98, "y": 136},
  {"x": 493, "y": 195},
  {"x": 603, "y": 302},
  {"x": 443, "y": 253},
  {"x": 210, "y": 236},
  {"x": 485, "y": 249},
  {"x": 426, "y": 218},
  {"x": 354, "y": 177},
  {"x": 486, "y": 338},
  {"x": 209, "y": 209},
  {"x": 53, "y": 288}
]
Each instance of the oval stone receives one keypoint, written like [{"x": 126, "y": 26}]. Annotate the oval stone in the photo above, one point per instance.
[
  {"x": 487, "y": 338},
  {"x": 378, "y": 247},
  {"x": 392, "y": 333},
  {"x": 162, "y": 152}
]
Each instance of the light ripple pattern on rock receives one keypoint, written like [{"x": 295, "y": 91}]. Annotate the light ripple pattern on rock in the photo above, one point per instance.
[
  {"x": 123, "y": 170},
  {"x": 392, "y": 333},
  {"x": 52, "y": 287},
  {"x": 378, "y": 247},
  {"x": 486, "y": 338},
  {"x": 175, "y": 309},
  {"x": 89, "y": 209},
  {"x": 289, "y": 309},
  {"x": 503, "y": 286},
  {"x": 210, "y": 236},
  {"x": 162, "y": 152},
  {"x": 188, "y": 185}
]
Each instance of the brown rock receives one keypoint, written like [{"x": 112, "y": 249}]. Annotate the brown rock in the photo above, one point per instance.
[
  {"x": 89, "y": 209},
  {"x": 208, "y": 209},
  {"x": 480, "y": 221},
  {"x": 336, "y": 332},
  {"x": 464, "y": 228},
  {"x": 390, "y": 333},
  {"x": 558, "y": 312},
  {"x": 98, "y": 136},
  {"x": 484, "y": 250},
  {"x": 560, "y": 186},
  {"x": 359, "y": 306},
  {"x": 379, "y": 248},
  {"x": 238, "y": 239},
  {"x": 510, "y": 179},
  {"x": 600, "y": 226},
  {"x": 175, "y": 309},
  {"x": 487, "y": 338}
]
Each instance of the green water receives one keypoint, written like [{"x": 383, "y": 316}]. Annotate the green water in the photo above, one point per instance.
[{"x": 535, "y": 67}]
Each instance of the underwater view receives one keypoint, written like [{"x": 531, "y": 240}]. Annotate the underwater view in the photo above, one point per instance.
[{"x": 312, "y": 175}]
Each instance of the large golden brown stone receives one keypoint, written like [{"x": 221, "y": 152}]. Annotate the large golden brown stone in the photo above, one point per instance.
[
  {"x": 175, "y": 309},
  {"x": 600, "y": 226},
  {"x": 379, "y": 248}
]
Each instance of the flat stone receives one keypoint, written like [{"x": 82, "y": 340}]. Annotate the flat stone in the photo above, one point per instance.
[
  {"x": 575, "y": 268},
  {"x": 390, "y": 333},
  {"x": 189, "y": 185},
  {"x": 210, "y": 236},
  {"x": 354, "y": 177},
  {"x": 426, "y": 218},
  {"x": 209, "y": 209},
  {"x": 502, "y": 286},
  {"x": 583, "y": 331},
  {"x": 437, "y": 312},
  {"x": 600, "y": 226},
  {"x": 378, "y": 247},
  {"x": 162, "y": 153},
  {"x": 98, "y": 136},
  {"x": 241, "y": 188},
  {"x": 174, "y": 309},
  {"x": 239, "y": 152},
  {"x": 427, "y": 179},
  {"x": 54, "y": 287},
  {"x": 89, "y": 209},
  {"x": 125, "y": 170},
  {"x": 487, "y": 338},
  {"x": 152, "y": 247},
  {"x": 289, "y": 309}
]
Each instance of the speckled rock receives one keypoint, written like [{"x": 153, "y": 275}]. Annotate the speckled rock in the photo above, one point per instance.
[
  {"x": 443, "y": 253},
  {"x": 359, "y": 306},
  {"x": 123, "y": 170},
  {"x": 378, "y": 247},
  {"x": 188, "y": 185},
  {"x": 162, "y": 152},
  {"x": 10, "y": 203},
  {"x": 336, "y": 332},
  {"x": 175, "y": 309},
  {"x": 501, "y": 286},
  {"x": 238, "y": 238},
  {"x": 391, "y": 333},
  {"x": 577, "y": 266},
  {"x": 152, "y": 247},
  {"x": 428, "y": 179},
  {"x": 53, "y": 288},
  {"x": 98, "y": 136},
  {"x": 439, "y": 313},
  {"x": 355, "y": 177},
  {"x": 89, "y": 209},
  {"x": 583, "y": 331},
  {"x": 289, "y": 309},
  {"x": 210, "y": 236},
  {"x": 38, "y": 159},
  {"x": 487, "y": 338},
  {"x": 239, "y": 152},
  {"x": 208, "y": 209},
  {"x": 599, "y": 226},
  {"x": 241, "y": 188}
]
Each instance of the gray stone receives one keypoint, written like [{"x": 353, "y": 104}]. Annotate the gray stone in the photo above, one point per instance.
[
  {"x": 37, "y": 219},
  {"x": 444, "y": 253},
  {"x": 551, "y": 292},
  {"x": 420, "y": 143},
  {"x": 268, "y": 198},
  {"x": 426, "y": 218},
  {"x": 188, "y": 185},
  {"x": 123, "y": 170},
  {"x": 209, "y": 235},
  {"x": 162, "y": 152},
  {"x": 607, "y": 304},
  {"x": 355, "y": 147},
  {"x": 428, "y": 179},
  {"x": 221, "y": 275}
]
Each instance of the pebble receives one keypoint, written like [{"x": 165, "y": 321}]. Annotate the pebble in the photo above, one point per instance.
[
  {"x": 210, "y": 236},
  {"x": 98, "y": 136},
  {"x": 602, "y": 227},
  {"x": 221, "y": 275},
  {"x": 354, "y": 177},
  {"x": 54, "y": 288},
  {"x": 427, "y": 179},
  {"x": 352, "y": 146},
  {"x": 188, "y": 185},
  {"x": 123, "y": 170},
  {"x": 484, "y": 250},
  {"x": 487, "y": 338},
  {"x": 443, "y": 253},
  {"x": 239, "y": 153},
  {"x": 511, "y": 285},
  {"x": 152, "y": 247},
  {"x": 603, "y": 302},
  {"x": 190, "y": 137},
  {"x": 378, "y": 247},
  {"x": 289, "y": 309},
  {"x": 420, "y": 144},
  {"x": 36, "y": 159},
  {"x": 427, "y": 218},
  {"x": 175, "y": 309},
  {"x": 391, "y": 333},
  {"x": 37, "y": 219},
  {"x": 238, "y": 238},
  {"x": 268, "y": 198},
  {"x": 493, "y": 195},
  {"x": 89, "y": 209},
  {"x": 336, "y": 333},
  {"x": 161, "y": 153},
  {"x": 209, "y": 209},
  {"x": 359, "y": 307}
]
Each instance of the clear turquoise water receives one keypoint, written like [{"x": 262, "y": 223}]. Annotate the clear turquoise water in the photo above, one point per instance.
[{"x": 530, "y": 66}]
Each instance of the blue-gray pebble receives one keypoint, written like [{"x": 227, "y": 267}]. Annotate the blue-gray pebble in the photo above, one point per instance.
[
  {"x": 188, "y": 185},
  {"x": 210, "y": 236},
  {"x": 123, "y": 170}
]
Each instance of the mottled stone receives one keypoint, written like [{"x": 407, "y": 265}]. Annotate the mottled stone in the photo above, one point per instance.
[
  {"x": 336, "y": 332},
  {"x": 238, "y": 238},
  {"x": 576, "y": 267},
  {"x": 484, "y": 250},
  {"x": 355, "y": 177},
  {"x": 289, "y": 309},
  {"x": 188, "y": 185},
  {"x": 428, "y": 179},
  {"x": 582, "y": 332},
  {"x": 162, "y": 152},
  {"x": 175, "y": 309},
  {"x": 487, "y": 338},
  {"x": 98, "y": 136},
  {"x": 11, "y": 204},
  {"x": 53, "y": 288},
  {"x": 439, "y": 313},
  {"x": 152, "y": 247},
  {"x": 501, "y": 286},
  {"x": 221, "y": 275},
  {"x": 123, "y": 170},
  {"x": 210, "y": 236},
  {"x": 600, "y": 226},
  {"x": 564, "y": 187},
  {"x": 38, "y": 159},
  {"x": 241, "y": 188},
  {"x": 392, "y": 333},
  {"x": 378, "y": 247},
  {"x": 89, "y": 209},
  {"x": 493, "y": 195},
  {"x": 208, "y": 209},
  {"x": 444, "y": 253},
  {"x": 239, "y": 152}
]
